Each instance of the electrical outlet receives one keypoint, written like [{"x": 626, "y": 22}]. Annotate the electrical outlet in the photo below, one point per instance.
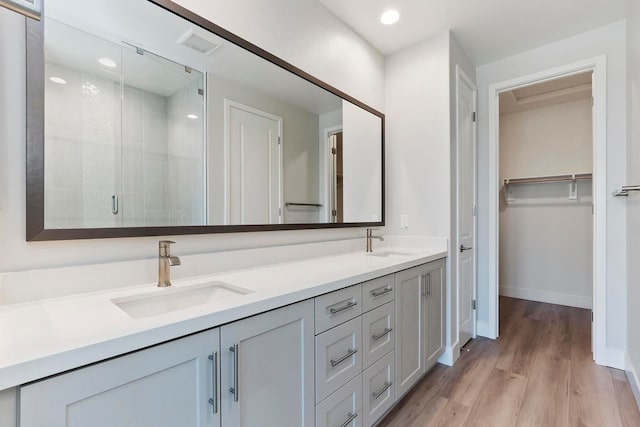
[{"x": 404, "y": 221}]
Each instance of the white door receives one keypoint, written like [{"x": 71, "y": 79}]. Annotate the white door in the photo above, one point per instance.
[
  {"x": 466, "y": 195},
  {"x": 168, "y": 385},
  {"x": 267, "y": 369},
  {"x": 254, "y": 187}
]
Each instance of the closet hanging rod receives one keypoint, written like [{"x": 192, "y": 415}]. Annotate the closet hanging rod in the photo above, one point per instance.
[{"x": 554, "y": 178}]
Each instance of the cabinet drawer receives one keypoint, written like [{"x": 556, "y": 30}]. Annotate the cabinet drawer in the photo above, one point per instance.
[
  {"x": 338, "y": 357},
  {"x": 377, "y": 292},
  {"x": 338, "y": 307},
  {"x": 378, "y": 391},
  {"x": 378, "y": 335},
  {"x": 342, "y": 408}
]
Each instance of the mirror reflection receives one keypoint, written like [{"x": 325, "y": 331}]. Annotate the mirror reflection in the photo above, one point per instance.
[{"x": 152, "y": 121}]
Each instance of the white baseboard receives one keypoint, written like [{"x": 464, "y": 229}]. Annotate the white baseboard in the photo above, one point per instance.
[
  {"x": 548, "y": 297},
  {"x": 482, "y": 329},
  {"x": 450, "y": 355},
  {"x": 632, "y": 376},
  {"x": 616, "y": 359}
]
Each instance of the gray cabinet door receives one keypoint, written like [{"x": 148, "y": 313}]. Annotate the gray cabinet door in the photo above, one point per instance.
[
  {"x": 434, "y": 317},
  {"x": 163, "y": 386},
  {"x": 410, "y": 288},
  {"x": 267, "y": 369}
]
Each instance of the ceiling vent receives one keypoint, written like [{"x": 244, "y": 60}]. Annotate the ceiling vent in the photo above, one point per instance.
[{"x": 198, "y": 43}]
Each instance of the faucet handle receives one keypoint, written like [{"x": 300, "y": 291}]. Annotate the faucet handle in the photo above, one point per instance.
[{"x": 164, "y": 247}]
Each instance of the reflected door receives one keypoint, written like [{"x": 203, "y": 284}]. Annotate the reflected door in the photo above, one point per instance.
[
  {"x": 337, "y": 176},
  {"x": 254, "y": 188}
]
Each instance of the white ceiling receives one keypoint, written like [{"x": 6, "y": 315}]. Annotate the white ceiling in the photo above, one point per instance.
[
  {"x": 487, "y": 30},
  {"x": 545, "y": 94}
]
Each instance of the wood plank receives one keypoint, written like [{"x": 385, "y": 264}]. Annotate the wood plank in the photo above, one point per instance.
[
  {"x": 561, "y": 385},
  {"x": 500, "y": 401},
  {"x": 546, "y": 400},
  {"x": 629, "y": 413},
  {"x": 453, "y": 415}
]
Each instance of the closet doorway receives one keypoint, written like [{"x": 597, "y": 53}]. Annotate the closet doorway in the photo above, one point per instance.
[
  {"x": 545, "y": 207},
  {"x": 498, "y": 195}
]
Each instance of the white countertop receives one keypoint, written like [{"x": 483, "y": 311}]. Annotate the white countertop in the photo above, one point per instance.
[{"x": 46, "y": 337}]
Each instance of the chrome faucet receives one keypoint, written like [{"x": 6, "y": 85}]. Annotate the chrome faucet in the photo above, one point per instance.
[
  {"x": 371, "y": 236},
  {"x": 165, "y": 261}
]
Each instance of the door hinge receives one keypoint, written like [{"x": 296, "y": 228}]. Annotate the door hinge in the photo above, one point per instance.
[
  {"x": 200, "y": 92},
  {"x": 474, "y": 117},
  {"x": 279, "y": 211},
  {"x": 474, "y": 211},
  {"x": 279, "y": 140},
  {"x": 592, "y": 315},
  {"x": 593, "y": 101},
  {"x": 473, "y": 304},
  {"x": 334, "y": 151},
  {"x": 334, "y": 213}
]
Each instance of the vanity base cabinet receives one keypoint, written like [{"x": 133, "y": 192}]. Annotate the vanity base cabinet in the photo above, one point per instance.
[
  {"x": 267, "y": 369},
  {"x": 343, "y": 408},
  {"x": 434, "y": 316},
  {"x": 163, "y": 386},
  {"x": 410, "y": 285},
  {"x": 420, "y": 326},
  {"x": 378, "y": 389}
]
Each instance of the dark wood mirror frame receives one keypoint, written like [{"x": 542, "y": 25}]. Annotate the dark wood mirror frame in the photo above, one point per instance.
[{"x": 35, "y": 229}]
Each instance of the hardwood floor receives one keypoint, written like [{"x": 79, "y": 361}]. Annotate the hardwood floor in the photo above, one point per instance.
[{"x": 539, "y": 372}]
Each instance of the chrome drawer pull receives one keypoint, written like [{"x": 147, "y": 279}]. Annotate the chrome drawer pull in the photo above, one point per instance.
[
  {"x": 346, "y": 307},
  {"x": 351, "y": 417},
  {"x": 350, "y": 353},
  {"x": 378, "y": 292},
  {"x": 214, "y": 379},
  {"x": 384, "y": 333},
  {"x": 385, "y": 387}
]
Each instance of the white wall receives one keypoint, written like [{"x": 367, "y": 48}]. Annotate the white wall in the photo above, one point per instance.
[
  {"x": 299, "y": 142},
  {"x": 362, "y": 165},
  {"x": 420, "y": 159},
  {"x": 633, "y": 203},
  {"x": 303, "y": 33},
  {"x": 417, "y": 138},
  {"x": 546, "y": 239},
  {"x": 609, "y": 40}
]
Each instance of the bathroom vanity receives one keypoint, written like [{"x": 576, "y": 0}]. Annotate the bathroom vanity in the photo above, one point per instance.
[{"x": 334, "y": 340}]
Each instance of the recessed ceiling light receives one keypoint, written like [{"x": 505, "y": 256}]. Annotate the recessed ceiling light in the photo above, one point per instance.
[
  {"x": 108, "y": 62},
  {"x": 390, "y": 17},
  {"x": 192, "y": 116},
  {"x": 58, "y": 80}
]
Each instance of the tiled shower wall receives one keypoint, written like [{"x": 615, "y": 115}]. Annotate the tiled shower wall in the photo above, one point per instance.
[{"x": 144, "y": 149}]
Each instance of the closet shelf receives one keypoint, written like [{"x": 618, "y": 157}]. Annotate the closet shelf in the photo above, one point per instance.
[
  {"x": 552, "y": 178},
  {"x": 571, "y": 178},
  {"x": 625, "y": 190}
]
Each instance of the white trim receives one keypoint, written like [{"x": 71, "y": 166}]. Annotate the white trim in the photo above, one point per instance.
[
  {"x": 325, "y": 172},
  {"x": 482, "y": 329},
  {"x": 548, "y": 297},
  {"x": 450, "y": 355},
  {"x": 615, "y": 359},
  {"x": 598, "y": 65},
  {"x": 228, "y": 104},
  {"x": 632, "y": 376},
  {"x": 462, "y": 76}
]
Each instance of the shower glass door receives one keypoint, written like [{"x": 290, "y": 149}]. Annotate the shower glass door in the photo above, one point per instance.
[{"x": 124, "y": 135}]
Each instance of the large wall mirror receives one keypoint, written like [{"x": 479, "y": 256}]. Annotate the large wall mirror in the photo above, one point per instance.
[{"x": 145, "y": 119}]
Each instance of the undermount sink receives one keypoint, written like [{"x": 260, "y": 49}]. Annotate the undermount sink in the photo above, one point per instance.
[
  {"x": 165, "y": 300},
  {"x": 390, "y": 252}
]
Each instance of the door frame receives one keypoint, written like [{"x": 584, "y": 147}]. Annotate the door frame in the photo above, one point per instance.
[
  {"x": 461, "y": 76},
  {"x": 325, "y": 171},
  {"x": 228, "y": 105},
  {"x": 598, "y": 65}
]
